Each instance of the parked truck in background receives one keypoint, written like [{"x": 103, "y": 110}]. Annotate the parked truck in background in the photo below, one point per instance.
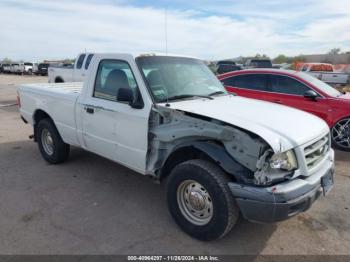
[
  {"x": 76, "y": 73},
  {"x": 35, "y": 68},
  {"x": 6, "y": 68},
  {"x": 43, "y": 69},
  {"x": 168, "y": 117},
  {"x": 258, "y": 63},
  {"x": 325, "y": 72},
  {"x": 25, "y": 68},
  {"x": 14, "y": 68},
  {"x": 225, "y": 66}
]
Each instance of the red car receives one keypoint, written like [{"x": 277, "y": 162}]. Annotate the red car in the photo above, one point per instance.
[{"x": 299, "y": 90}]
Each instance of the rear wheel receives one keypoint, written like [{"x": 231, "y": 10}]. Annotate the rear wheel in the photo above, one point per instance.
[
  {"x": 341, "y": 134},
  {"x": 59, "y": 80},
  {"x": 50, "y": 143},
  {"x": 200, "y": 201}
]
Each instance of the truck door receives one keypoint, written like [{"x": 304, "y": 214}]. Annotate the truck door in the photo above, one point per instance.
[{"x": 111, "y": 128}]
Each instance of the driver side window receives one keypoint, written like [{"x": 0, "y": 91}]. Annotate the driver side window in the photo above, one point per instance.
[
  {"x": 111, "y": 76},
  {"x": 287, "y": 85}
]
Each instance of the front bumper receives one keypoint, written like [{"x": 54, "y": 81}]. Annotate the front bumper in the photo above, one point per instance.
[{"x": 282, "y": 201}]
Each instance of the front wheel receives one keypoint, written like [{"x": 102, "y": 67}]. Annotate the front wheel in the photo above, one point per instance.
[
  {"x": 50, "y": 143},
  {"x": 200, "y": 201},
  {"x": 341, "y": 134}
]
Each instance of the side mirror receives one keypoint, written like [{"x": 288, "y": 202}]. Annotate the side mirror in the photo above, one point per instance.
[
  {"x": 310, "y": 94},
  {"x": 125, "y": 95}
]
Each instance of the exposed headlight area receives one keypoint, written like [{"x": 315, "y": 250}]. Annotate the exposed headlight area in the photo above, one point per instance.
[
  {"x": 285, "y": 161},
  {"x": 275, "y": 167}
]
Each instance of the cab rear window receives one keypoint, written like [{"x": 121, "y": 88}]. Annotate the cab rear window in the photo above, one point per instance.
[
  {"x": 88, "y": 60},
  {"x": 80, "y": 61}
]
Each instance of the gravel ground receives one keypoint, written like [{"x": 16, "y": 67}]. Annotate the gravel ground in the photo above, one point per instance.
[{"x": 90, "y": 205}]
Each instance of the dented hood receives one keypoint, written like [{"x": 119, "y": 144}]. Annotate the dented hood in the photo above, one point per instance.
[{"x": 282, "y": 127}]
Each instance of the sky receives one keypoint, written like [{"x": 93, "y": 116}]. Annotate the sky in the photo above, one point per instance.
[{"x": 34, "y": 30}]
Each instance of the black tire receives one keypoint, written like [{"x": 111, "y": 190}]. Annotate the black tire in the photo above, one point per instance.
[
  {"x": 225, "y": 210},
  {"x": 335, "y": 144},
  {"x": 60, "y": 150}
]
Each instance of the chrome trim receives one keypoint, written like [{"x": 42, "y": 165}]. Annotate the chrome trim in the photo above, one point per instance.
[{"x": 317, "y": 151}]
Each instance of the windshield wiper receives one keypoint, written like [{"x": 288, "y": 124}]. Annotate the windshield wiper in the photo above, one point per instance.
[
  {"x": 222, "y": 92},
  {"x": 178, "y": 97},
  {"x": 217, "y": 93}
]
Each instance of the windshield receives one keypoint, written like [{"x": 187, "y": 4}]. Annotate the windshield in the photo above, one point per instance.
[
  {"x": 175, "y": 78},
  {"x": 320, "y": 85}
]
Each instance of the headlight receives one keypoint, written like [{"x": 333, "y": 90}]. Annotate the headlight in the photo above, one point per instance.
[{"x": 285, "y": 161}]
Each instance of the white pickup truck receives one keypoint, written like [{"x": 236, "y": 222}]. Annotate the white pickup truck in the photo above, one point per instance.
[
  {"x": 14, "y": 68},
  {"x": 168, "y": 117},
  {"x": 25, "y": 68},
  {"x": 76, "y": 73},
  {"x": 330, "y": 76}
]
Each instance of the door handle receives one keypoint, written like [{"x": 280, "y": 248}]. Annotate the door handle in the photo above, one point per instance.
[
  {"x": 277, "y": 101},
  {"x": 89, "y": 110}
]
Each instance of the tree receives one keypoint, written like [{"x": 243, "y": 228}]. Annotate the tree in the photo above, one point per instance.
[
  {"x": 240, "y": 59},
  {"x": 68, "y": 61},
  {"x": 6, "y": 61},
  {"x": 334, "y": 51},
  {"x": 280, "y": 59},
  {"x": 299, "y": 58},
  {"x": 212, "y": 67},
  {"x": 261, "y": 56}
]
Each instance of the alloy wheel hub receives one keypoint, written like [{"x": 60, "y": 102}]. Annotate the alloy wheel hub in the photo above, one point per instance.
[{"x": 341, "y": 133}]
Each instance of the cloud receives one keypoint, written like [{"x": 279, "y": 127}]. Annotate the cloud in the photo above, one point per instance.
[{"x": 45, "y": 29}]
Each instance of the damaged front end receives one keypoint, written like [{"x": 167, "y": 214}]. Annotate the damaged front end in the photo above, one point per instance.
[
  {"x": 244, "y": 155},
  {"x": 267, "y": 185},
  {"x": 273, "y": 168}
]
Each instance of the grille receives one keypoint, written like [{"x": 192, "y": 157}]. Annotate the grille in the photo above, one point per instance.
[{"x": 315, "y": 152}]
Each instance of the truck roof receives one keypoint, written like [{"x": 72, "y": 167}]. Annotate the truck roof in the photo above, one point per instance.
[{"x": 142, "y": 54}]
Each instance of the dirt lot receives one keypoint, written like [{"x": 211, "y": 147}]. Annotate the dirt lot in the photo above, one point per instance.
[
  {"x": 90, "y": 205},
  {"x": 343, "y": 88}
]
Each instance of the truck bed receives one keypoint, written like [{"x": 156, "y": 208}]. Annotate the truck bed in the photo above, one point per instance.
[
  {"x": 331, "y": 77},
  {"x": 54, "y": 88},
  {"x": 56, "y": 100}
]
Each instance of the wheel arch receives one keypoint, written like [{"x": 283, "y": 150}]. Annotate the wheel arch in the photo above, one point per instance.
[
  {"x": 339, "y": 118},
  {"x": 38, "y": 115},
  {"x": 212, "y": 151},
  {"x": 59, "y": 79}
]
